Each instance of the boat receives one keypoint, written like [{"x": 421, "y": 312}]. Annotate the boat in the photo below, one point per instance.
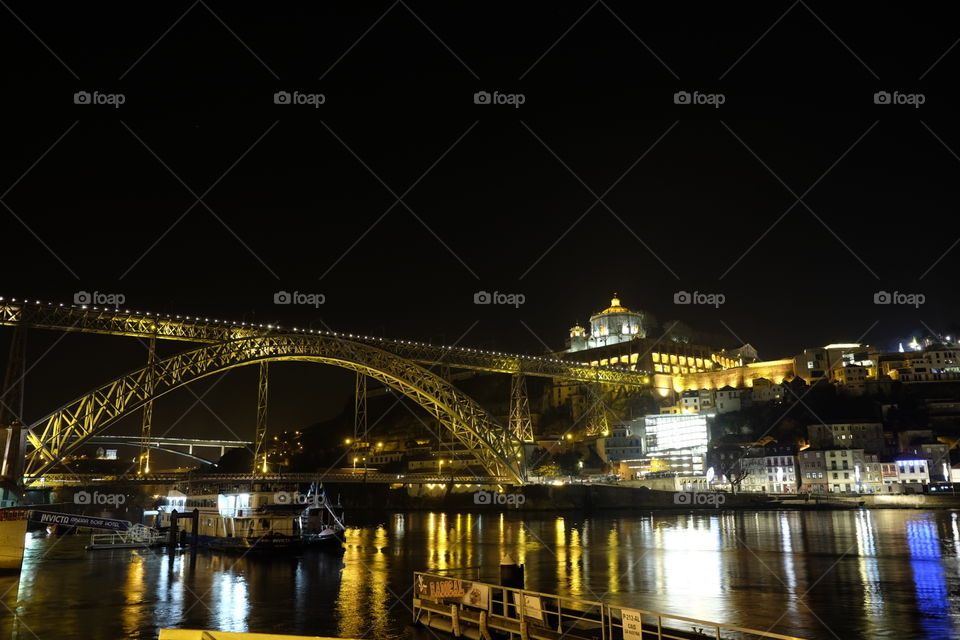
[
  {"x": 255, "y": 520},
  {"x": 13, "y": 531}
]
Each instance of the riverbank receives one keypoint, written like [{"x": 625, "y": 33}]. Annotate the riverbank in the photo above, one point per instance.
[
  {"x": 600, "y": 497},
  {"x": 587, "y": 498}
]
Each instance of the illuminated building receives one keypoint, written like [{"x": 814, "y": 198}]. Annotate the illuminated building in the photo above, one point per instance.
[
  {"x": 855, "y": 435},
  {"x": 764, "y": 390},
  {"x": 820, "y": 363},
  {"x": 929, "y": 366},
  {"x": 613, "y": 325},
  {"x": 912, "y": 471},
  {"x": 675, "y": 444},
  {"x": 920, "y": 444},
  {"x": 851, "y": 378},
  {"x": 617, "y": 337},
  {"x": 696, "y": 400},
  {"x": 621, "y": 444},
  {"x": 770, "y": 469},
  {"x": 840, "y": 471}
]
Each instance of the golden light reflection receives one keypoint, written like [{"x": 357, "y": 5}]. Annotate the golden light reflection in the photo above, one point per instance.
[
  {"x": 613, "y": 556},
  {"x": 522, "y": 543},
  {"x": 376, "y": 604},
  {"x": 440, "y": 549},
  {"x": 352, "y": 576},
  {"x": 576, "y": 561},
  {"x": 133, "y": 590},
  {"x": 560, "y": 549}
]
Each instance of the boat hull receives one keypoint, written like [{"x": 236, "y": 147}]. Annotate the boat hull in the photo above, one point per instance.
[
  {"x": 12, "y": 543},
  {"x": 269, "y": 544}
]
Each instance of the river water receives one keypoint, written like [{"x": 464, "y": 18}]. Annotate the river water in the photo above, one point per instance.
[{"x": 840, "y": 574}]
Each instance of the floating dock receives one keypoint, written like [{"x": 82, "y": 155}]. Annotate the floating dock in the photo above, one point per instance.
[{"x": 478, "y": 610}]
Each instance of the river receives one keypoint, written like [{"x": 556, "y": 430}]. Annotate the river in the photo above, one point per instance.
[{"x": 824, "y": 574}]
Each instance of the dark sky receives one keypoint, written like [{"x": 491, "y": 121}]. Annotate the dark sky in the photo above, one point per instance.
[{"x": 493, "y": 197}]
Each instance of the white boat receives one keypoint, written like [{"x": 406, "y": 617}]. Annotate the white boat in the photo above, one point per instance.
[{"x": 256, "y": 520}]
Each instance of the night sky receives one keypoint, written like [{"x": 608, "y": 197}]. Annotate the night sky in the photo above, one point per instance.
[{"x": 492, "y": 197}]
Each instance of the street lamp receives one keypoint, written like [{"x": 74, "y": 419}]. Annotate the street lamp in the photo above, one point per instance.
[{"x": 355, "y": 458}]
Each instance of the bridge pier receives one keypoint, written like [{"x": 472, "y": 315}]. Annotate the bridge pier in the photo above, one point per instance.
[
  {"x": 520, "y": 423},
  {"x": 259, "y": 447},
  {"x": 146, "y": 421},
  {"x": 360, "y": 409},
  {"x": 12, "y": 434},
  {"x": 597, "y": 424}
]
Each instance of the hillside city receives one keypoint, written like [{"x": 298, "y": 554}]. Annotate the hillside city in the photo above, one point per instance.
[{"x": 839, "y": 418}]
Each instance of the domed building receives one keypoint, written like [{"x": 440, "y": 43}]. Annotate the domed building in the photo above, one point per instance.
[{"x": 613, "y": 325}]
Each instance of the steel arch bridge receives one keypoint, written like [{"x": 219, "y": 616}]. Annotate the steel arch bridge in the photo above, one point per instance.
[
  {"x": 69, "y": 427},
  {"x": 220, "y": 345}
]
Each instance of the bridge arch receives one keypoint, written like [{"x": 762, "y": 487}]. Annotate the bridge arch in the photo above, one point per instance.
[{"x": 69, "y": 427}]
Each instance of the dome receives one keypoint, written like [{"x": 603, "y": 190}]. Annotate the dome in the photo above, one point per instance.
[{"x": 615, "y": 306}]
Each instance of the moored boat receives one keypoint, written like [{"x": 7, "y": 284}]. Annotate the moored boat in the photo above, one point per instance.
[
  {"x": 13, "y": 531},
  {"x": 256, "y": 520}
]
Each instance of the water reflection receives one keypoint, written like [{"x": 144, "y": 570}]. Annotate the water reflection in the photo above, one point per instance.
[
  {"x": 815, "y": 574},
  {"x": 928, "y": 573}
]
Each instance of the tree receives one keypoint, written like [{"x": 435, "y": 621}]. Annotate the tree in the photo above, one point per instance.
[
  {"x": 549, "y": 470},
  {"x": 568, "y": 462},
  {"x": 735, "y": 475}
]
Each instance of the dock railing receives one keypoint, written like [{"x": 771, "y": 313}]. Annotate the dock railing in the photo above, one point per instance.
[
  {"x": 472, "y": 609},
  {"x": 136, "y": 536}
]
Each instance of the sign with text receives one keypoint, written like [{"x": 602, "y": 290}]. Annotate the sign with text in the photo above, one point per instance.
[
  {"x": 435, "y": 588},
  {"x": 632, "y": 624},
  {"x": 451, "y": 590},
  {"x": 531, "y": 606},
  {"x": 71, "y": 520}
]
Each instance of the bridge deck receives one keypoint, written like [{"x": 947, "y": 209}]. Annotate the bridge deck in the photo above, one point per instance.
[
  {"x": 107, "y": 321},
  {"x": 339, "y": 477}
]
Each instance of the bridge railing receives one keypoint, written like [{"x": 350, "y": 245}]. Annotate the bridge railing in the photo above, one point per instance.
[{"x": 468, "y": 608}]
